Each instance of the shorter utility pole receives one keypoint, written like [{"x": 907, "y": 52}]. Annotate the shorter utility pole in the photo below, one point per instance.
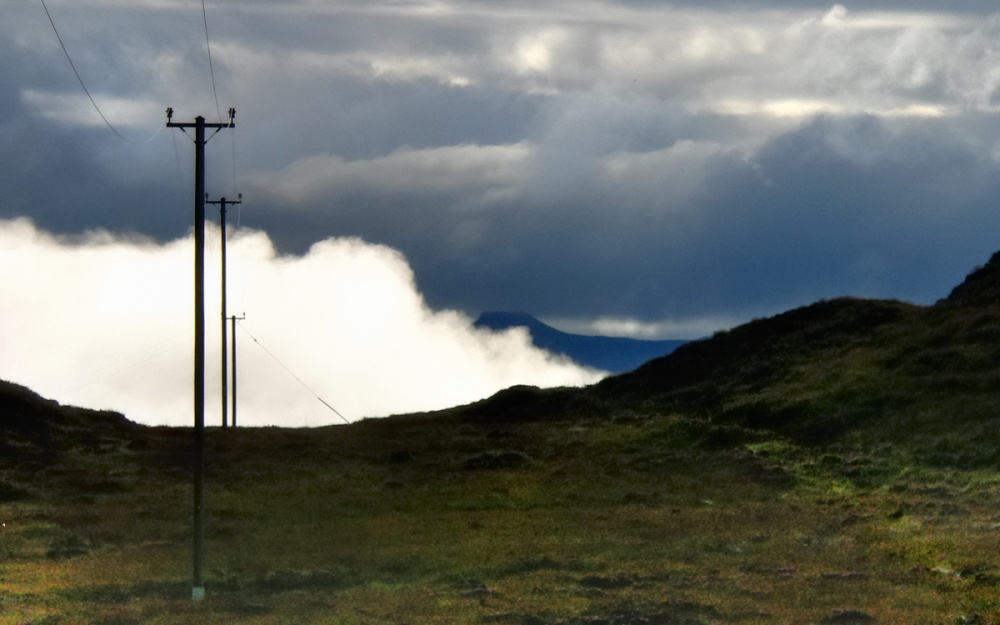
[
  {"x": 234, "y": 319},
  {"x": 225, "y": 368}
]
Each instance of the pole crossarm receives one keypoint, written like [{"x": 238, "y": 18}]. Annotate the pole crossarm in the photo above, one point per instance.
[
  {"x": 223, "y": 202},
  {"x": 172, "y": 124}
]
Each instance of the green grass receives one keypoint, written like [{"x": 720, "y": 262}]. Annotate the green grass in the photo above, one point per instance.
[{"x": 639, "y": 518}]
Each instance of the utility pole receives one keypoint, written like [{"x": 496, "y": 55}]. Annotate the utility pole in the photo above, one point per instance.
[
  {"x": 234, "y": 319},
  {"x": 225, "y": 367},
  {"x": 199, "y": 125}
]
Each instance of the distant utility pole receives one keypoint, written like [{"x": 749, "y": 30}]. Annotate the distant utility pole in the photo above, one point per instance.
[
  {"x": 225, "y": 367},
  {"x": 199, "y": 125},
  {"x": 234, "y": 319}
]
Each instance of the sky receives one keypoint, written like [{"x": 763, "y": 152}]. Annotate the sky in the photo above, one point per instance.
[{"x": 641, "y": 168}]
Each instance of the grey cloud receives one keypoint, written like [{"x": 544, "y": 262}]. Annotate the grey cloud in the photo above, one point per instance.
[
  {"x": 660, "y": 175},
  {"x": 959, "y": 6},
  {"x": 840, "y": 206}
]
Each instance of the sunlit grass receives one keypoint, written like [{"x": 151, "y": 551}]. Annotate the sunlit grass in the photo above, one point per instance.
[{"x": 655, "y": 515}]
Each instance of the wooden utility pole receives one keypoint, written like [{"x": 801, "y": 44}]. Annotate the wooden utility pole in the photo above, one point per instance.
[
  {"x": 199, "y": 125},
  {"x": 234, "y": 319},
  {"x": 225, "y": 368}
]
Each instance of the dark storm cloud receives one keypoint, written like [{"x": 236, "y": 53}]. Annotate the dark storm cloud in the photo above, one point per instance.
[
  {"x": 854, "y": 206},
  {"x": 62, "y": 185},
  {"x": 839, "y": 206},
  {"x": 637, "y": 160}
]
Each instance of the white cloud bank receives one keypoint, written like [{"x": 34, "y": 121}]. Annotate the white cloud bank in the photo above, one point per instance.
[{"x": 106, "y": 322}]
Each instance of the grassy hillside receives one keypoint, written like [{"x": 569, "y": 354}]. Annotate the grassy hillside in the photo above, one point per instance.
[
  {"x": 923, "y": 379},
  {"x": 836, "y": 464}
]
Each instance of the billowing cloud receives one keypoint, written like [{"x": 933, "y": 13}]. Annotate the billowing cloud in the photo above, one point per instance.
[{"x": 106, "y": 321}]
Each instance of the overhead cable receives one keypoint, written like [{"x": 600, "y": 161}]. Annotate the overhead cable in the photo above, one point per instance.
[
  {"x": 132, "y": 360},
  {"x": 297, "y": 378},
  {"x": 82, "y": 84},
  {"x": 211, "y": 67},
  {"x": 85, "y": 90}
]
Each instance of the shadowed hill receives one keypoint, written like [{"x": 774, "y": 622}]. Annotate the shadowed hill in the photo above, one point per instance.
[
  {"x": 32, "y": 423},
  {"x": 607, "y": 353},
  {"x": 27, "y": 413},
  {"x": 926, "y": 377},
  {"x": 757, "y": 353},
  {"x": 811, "y": 373},
  {"x": 980, "y": 288},
  {"x": 815, "y": 374}
]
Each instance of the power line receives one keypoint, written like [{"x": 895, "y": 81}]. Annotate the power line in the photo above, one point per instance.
[
  {"x": 126, "y": 363},
  {"x": 297, "y": 379},
  {"x": 211, "y": 67},
  {"x": 85, "y": 90}
]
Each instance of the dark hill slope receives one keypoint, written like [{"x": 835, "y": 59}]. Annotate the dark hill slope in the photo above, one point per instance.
[
  {"x": 607, "y": 353},
  {"x": 930, "y": 375},
  {"x": 981, "y": 288},
  {"x": 758, "y": 353},
  {"x": 33, "y": 428},
  {"x": 907, "y": 375},
  {"x": 925, "y": 380},
  {"x": 811, "y": 373}
]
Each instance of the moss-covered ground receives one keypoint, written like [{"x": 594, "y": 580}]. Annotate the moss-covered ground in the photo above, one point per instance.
[{"x": 618, "y": 518}]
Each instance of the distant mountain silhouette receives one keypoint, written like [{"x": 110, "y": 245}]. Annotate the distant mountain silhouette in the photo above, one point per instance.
[{"x": 608, "y": 353}]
